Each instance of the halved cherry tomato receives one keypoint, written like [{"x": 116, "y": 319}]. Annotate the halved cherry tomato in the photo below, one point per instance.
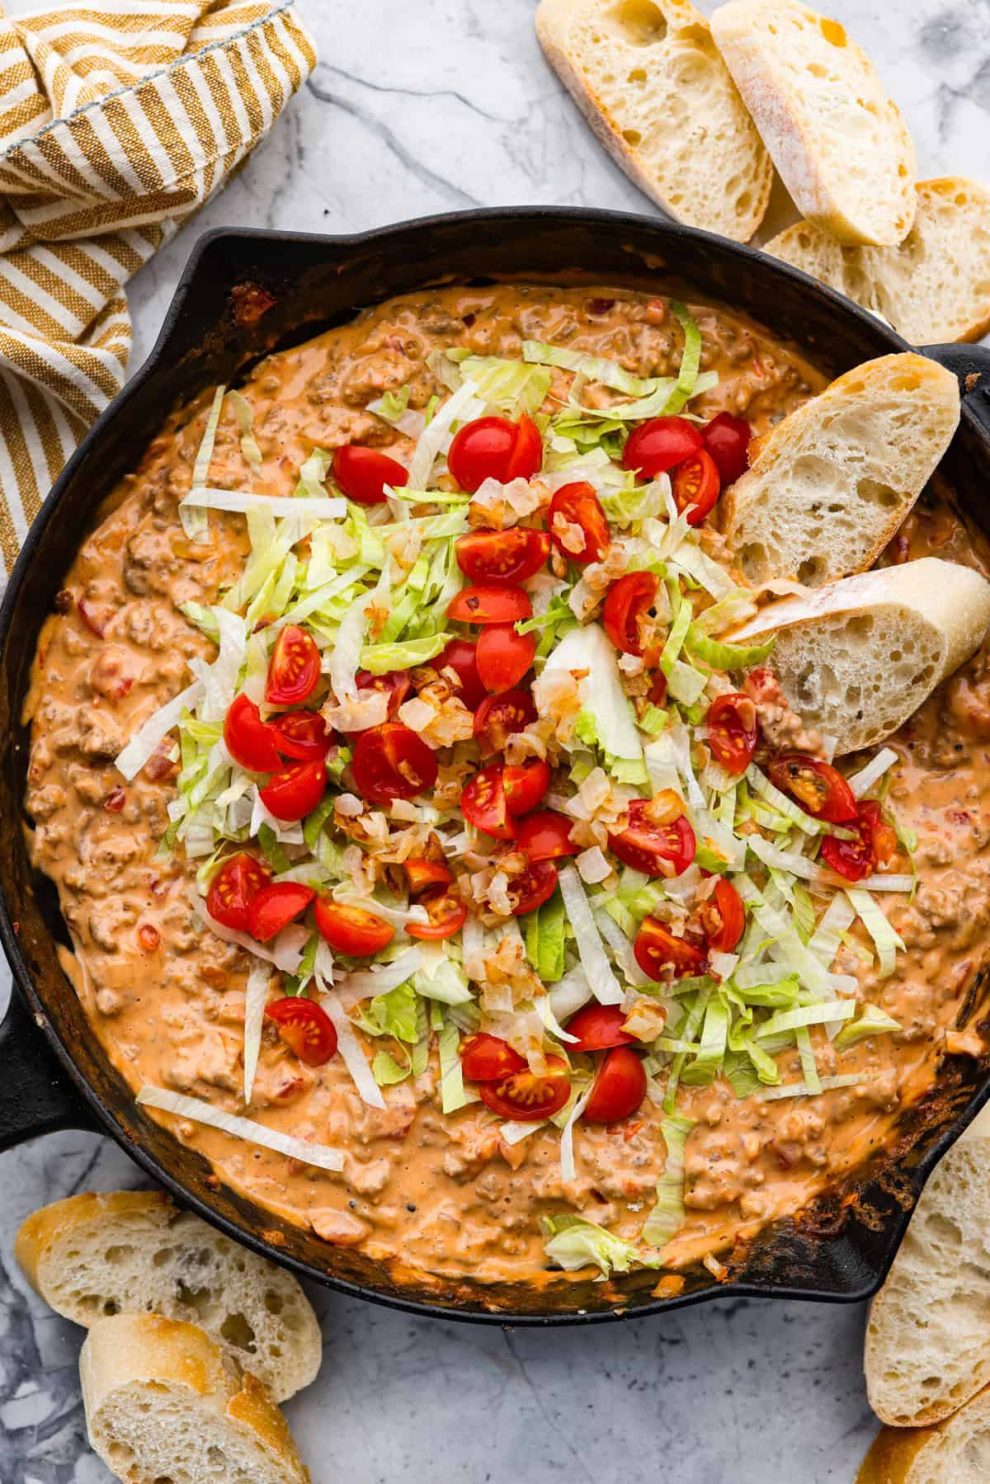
[
  {"x": 395, "y": 683},
  {"x": 503, "y": 656},
  {"x": 529, "y": 1097},
  {"x": 546, "y": 836},
  {"x": 525, "y": 784},
  {"x": 619, "y": 1087},
  {"x": 598, "y": 1027},
  {"x": 352, "y": 930},
  {"x": 726, "y": 438},
  {"x": 391, "y": 762},
  {"x": 275, "y": 906},
  {"x": 446, "y": 911},
  {"x": 659, "y": 445},
  {"x": 626, "y": 602},
  {"x": 875, "y": 843},
  {"x": 483, "y": 803},
  {"x": 883, "y": 834},
  {"x": 362, "y": 473},
  {"x": 819, "y": 788},
  {"x": 502, "y": 557},
  {"x": 305, "y": 1027},
  {"x": 422, "y": 873},
  {"x": 483, "y": 603},
  {"x": 696, "y": 482},
  {"x": 657, "y": 849},
  {"x": 578, "y": 524},
  {"x": 294, "y": 667},
  {"x": 495, "y": 448},
  {"x": 487, "y": 1058},
  {"x": 662, "y": 955},
  {"x": 301, "y": 734},
  {"x": 733, "y": 731},
  {"x": 232, "y": 889},
  {"x": 460, "y": 656},
  {"x": 535, "y": 886},
  {"x": 295, "y": 792},
  {"x": 499, "y": 716},
  {"x": 723, "y": 917},
  {"x": 250, "y": 741}
]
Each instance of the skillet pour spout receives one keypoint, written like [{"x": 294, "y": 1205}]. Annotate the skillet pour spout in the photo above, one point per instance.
[{"x": 243, "y": 295}]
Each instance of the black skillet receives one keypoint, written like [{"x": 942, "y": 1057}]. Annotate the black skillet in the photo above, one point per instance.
[{"x": 53, "y": 1072}]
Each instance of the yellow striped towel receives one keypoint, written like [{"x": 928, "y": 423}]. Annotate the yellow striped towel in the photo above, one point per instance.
[{"x": 118, "y": 120}]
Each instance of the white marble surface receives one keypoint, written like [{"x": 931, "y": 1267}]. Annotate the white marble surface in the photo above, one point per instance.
[{"x": 421, "y": 106}]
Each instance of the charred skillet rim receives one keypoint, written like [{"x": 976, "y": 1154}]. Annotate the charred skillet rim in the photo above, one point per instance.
[{"x": 840, "y": 1248}]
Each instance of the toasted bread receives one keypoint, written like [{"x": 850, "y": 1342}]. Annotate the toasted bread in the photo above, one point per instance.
[{"x": 955, "y": 1452}]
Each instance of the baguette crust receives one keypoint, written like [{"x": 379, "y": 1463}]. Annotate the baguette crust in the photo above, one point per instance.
[{"x": 954, "y": 1452}]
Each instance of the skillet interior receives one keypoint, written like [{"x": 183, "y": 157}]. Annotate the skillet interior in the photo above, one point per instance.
[{"x": 842, "y": 1247}]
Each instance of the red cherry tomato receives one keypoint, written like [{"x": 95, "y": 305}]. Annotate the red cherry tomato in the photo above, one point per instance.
[
  {"x": 446, "y": 911},
  {"x": 250, "y": 741},
  {"x": 659, "y": 445},
  {"x": 499, "y": 716},
  {"x": 875, "y": 842},
  {"x": 502, "y": 557},
  {"x": 529, "y": 1097},
  {"x": 391, "y": 762},
  {"x": 626, "y": 602},
  {"x": 525, "y": 784},
  {"x": 294, "y": 667},
  {"x": 483, "y": 803},
  {"x": 619, "y": 1087},
  {"x": 233, "y": 888},
  {"x": 546, "y": 836},
  {"x": 884, "y": 835},
  {"x": 495, "y": 448},
  {"x": 662, "y": 955},
  {"x": 301, "y": 735},
  {"x": 460, "y": 656},
  {"x": 726, "y": 438},
  {"x": 696, "y": 482},
  {"x": 362, "y": 473},
  {"x": 818, "y": 787},
  {"x": 503, "y": 656},
  {"x": 723, "y": 917},
  {"x": 733, "y": 732},
  {"x": 305, "y": 1028},
  {"x": 657, "y": 849},
  {"x": 295, "y": 792},
  {"x": 422, "y": 873},
  {"x": 487, "y": 1058},
  {"x": 352, "y": 930},
  {"x": 578, "y": 524},
  {"x": 535, "y": 886},
  {"x": 598, "y": 1027},
  {"x": 658, "y": 689},
  {"x": 396, "y": 684},
  {"x": 483, "y": 603},
  {"x": 275, "y": 906}
]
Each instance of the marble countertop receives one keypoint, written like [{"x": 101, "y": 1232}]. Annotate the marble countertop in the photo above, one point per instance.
[{"x": 421, "y": 106}]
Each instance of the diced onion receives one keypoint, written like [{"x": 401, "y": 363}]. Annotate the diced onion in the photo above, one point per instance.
[{"x": 321, "y": 1155}]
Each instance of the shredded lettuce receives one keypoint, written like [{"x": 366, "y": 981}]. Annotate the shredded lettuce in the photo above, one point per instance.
[
  {"x": 667, "y": 1216},
  {"x": 198, "y": 1111},
  {"x": 591, "y": 949},
  {"x": 886, "y": 940},
  {"x": 725, "y": 656},
  {"x": 573, "y": 1243},
  {"x": 871, "y": 1021},
  {"x": 609, "y": 717},
  {"x": 544, "y": 934}
]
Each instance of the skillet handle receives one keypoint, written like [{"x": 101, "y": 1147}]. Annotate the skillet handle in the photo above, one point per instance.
[
  {"x": 971, "y": 364},
  {"x": 36, "y": 1096}
]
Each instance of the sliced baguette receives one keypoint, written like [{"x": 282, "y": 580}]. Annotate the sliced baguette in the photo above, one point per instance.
[
  {"x": 840, "y": 144},
  {"x": 857, "y": 658},
  {"x": 955, "y": 1452},
  {"x": 651, "y": 83},
  {"x": 934, "y": 287},
  {"x": 163, "y": 1403},
  {"x": 135, "y": 1252},
  {"x": 830, "y": 484}
]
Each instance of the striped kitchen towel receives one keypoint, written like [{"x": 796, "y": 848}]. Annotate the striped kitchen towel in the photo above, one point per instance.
[{"x": 118, "y": 120}]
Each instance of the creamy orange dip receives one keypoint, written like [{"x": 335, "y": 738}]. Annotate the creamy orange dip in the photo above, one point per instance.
[{"x": 166, "y": 997}]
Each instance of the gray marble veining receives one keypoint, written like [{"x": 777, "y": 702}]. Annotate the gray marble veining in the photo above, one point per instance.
[{"x": 421, "y": 106}]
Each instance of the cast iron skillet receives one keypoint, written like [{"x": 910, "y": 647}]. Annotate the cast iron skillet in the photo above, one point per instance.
[{"x": 56, "y": 1076}]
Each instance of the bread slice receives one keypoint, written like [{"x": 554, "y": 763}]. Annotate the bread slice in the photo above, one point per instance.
[
  {"x": 165, "y": 1406},
  {"x": 934, "y": 287},
  {"x": 831, "y": 483},
  {"x": 651, "y": 83},
  {"x": 840, "y": 144},
  {"x": 955, "y": 1452},
  {"x": 857, "y": 658},
  {"x": 134, "y": 1251}
]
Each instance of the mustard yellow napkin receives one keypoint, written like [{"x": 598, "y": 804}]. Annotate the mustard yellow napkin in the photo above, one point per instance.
[{"x": 118, "y": 120}]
